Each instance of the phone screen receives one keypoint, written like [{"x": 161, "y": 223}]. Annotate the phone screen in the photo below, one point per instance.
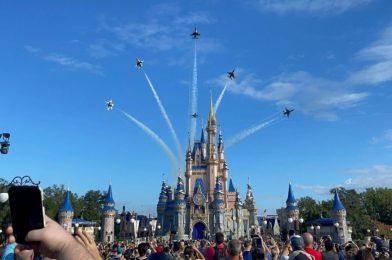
[{"x": 26, "y": 210}]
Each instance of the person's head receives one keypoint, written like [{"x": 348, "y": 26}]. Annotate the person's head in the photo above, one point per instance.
[
  {"x": 143, "y": 248},
  {"x": 308, "y": 239},
  {"x": 247, "y": 246},
  {"x": 364, "y": 254},
  {"x": 297, "y": 242},
  {"x": 9, "y": 230},
  {"x": 219, "y": 238},
  {"x": 166, "y": 249},
  {"x": 11, "y": 239},
  {"x": 188, "y": 252},
  {"x": 176, "y": 246},
  {"x": 234, "y": 247},
  {"x": 329, "y": 245}
]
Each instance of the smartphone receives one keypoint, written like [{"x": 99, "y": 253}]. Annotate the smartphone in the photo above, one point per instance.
[
  {"x": 258, "y": 242},
  {"x": 27, "y": 211}
]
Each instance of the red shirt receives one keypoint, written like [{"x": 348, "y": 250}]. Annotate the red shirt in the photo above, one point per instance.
[
  {"x": 210, "y": 251},
  {"x": 314, "y": 253}
]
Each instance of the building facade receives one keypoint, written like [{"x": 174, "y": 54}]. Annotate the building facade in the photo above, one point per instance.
[
  {"x": 205, "y": 200},
  {"x": 338, "y": 227}
]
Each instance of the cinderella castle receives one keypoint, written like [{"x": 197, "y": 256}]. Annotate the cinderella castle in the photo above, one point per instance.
[{"x": 204, "y": 202}]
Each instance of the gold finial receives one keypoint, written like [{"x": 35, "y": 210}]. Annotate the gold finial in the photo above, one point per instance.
[{"x": 211, "y": 118}]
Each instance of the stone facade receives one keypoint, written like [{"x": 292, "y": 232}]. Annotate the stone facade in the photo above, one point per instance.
[{"x": 203, "y": 202}]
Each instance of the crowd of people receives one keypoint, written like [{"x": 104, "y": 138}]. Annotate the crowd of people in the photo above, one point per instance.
[{"x": 53, "y": 242}]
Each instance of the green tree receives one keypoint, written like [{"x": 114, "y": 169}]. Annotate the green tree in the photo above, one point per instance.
[
  {"x": 5, "y": 217},
  {"x": 92, "y": 204}
]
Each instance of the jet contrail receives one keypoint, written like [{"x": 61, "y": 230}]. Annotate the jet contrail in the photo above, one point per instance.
[
  {"x": 156, "y": 138},
  {"x": 194, "y": 97},
  {"x": 165, "y": 116},
  {"x": 220, "y": 97},
  {"x": 244, "y": 134}
]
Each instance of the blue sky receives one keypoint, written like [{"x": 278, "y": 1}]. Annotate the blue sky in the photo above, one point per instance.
[{"x": 330, "y": 60}]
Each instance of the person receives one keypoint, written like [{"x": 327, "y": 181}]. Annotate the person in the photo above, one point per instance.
[
  {"x": 298, "y": 253},
  {"x": 234, "y": 249},
  {"x": 88, "y": 242},
  {"x": 191, "y": 252},
  {"x": 54, "y": 242},
  {"x": 247, "y": 255},
  {"x": 364, "y": 254},
  {"x": 329, "y": 253},
  {"x": 143, "y": 249},
  {"x": 8, "y": 253},
  {"x": 219, "y": 250},
  {"x": 308, "y": 246},
  {"x": 177, "y": 251}
]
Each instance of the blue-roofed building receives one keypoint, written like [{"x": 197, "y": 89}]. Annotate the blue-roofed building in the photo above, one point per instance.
[
  {"x": 108, "y": 215},
  {"x": 66, "y": 213},
  {"x": 209, "y": 199},
  {"x": 338, "y": 227}
]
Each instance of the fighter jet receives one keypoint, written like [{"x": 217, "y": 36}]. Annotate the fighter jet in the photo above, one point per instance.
[
  {"x": 139, "y": 63},
  {"x": 287, "y": 112},
  {"x": 195, "y": 34},
  {"x": 4, "y": 146},
  {"x": 194, "y": 115},
  {"x": 109, "y": 105},
  {"x": 230, "y": 74}
]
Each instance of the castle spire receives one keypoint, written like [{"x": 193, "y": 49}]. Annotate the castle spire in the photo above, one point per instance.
[
  {"x": 337, "y": 204},
  {"x": 211, "y": 117},
  {"x": 291, "y": 201},
  {"x": 67, "y": 205}
]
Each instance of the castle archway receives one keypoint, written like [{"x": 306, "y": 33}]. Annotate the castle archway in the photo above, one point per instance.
[{"x": 199, "y": 230}]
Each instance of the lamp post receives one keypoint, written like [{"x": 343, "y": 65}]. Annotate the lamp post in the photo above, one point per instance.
[
  {"x": 301, "y": 220},
  {"x": 5, "y": 144}
]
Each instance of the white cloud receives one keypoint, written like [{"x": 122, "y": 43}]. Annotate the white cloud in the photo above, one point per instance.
[
  {"x": 317, "y": 189},
  {"x": 73, "y": 63},
  {"x": 310, "y": 6},
  {"x": 164, "y": 27},
  {"x": 374, "y": 176},
  {"x": 31, "y": 49},
  {"x": 379, "y": 57},
  {"x": 318, "y": 97},
  {"x": 65, "y": 61}
]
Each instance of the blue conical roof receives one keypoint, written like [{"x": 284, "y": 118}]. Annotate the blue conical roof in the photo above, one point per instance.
[
  {"x": 202, "y": 140},
  {"x": 290, "y": 198},
  {"x": 67, "y": 205},
  {"x": 180, "y": 184},
  {"x": 337, "y": 204},
  {"x": 231, "y": 186},
  {"x": 109, "y": 196}
]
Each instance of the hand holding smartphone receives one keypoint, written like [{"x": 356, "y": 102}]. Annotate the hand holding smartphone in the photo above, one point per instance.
[{"x": 27, "y": 211}]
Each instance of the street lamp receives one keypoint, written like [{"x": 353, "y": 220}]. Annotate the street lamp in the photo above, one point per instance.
[
  {"x": 5, "y": 144},
  {"x": 3, "y": 197},
  {"x": 291, "y": 220},
  {"x": 118, "y": 221}
]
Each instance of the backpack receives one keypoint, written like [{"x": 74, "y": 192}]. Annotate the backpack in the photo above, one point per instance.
[{"x": 220, "y": 254}]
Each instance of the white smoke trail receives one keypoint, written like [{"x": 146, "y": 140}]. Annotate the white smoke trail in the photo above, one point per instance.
[
  {"x": 244, "y": 134},
  {"x": 156, "y": 138},
  {"x": 220, "y": 97},
  {"x": 165, "y": 116},
  {"x": 194, "y": 98}
]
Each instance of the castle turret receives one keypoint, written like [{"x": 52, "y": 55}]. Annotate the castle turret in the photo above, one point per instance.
[
  {"x": 211, "y": 130},
  {"x": 251, "y": 206},
  {"x": 188, "y": 169},
  {"x": 238, "y": 215},
  {"x": 218, "y": 207},
  {"x": 292, "y": 211},
  {"x": 338, "y": 213},
  {"x": 221, "y": 150},
  {"x": 108, "y": 215},
  {"x": 66, "y": 213},
  {"x": 203, "y": 142},
  {"x": 179, "y": 210},
  {"x": 161, "y": 207}
]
